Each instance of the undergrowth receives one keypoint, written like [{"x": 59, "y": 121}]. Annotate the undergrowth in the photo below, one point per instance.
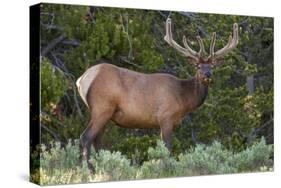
[{"x": 62, "y": 165}]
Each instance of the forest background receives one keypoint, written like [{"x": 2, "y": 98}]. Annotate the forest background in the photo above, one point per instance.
[{"x": 238, "y": 111}]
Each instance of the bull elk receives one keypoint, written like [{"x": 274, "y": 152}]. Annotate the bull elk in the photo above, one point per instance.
[{"x": 136, "y": 100}]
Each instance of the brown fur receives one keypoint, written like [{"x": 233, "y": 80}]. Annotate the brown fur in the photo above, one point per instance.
[
  {"x": 141, "y": 100},
  {"x": 137, "y": 100}
]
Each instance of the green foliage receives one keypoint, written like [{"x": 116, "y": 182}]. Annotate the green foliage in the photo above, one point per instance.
[
  {"x": 112, "y": 166},
  {"x": 215, "y": 159},
  {"x": 207, "y": 160},
  {"x": 53, "y": 85},
  {"x": 115, "y": 34},
  {"x": 160, "y": 164},
  {"x": 250, "y": 69},
  {"x": 254, "y": 157},
  {"x": 58, "y": 157},
  {"x": 135, "y": 147},
  {"x": 62, "y": 129},
  {"x": 159, "y": 152},
  {"x": 133, "y": 39},
  {"x": 61, "y": 165}
]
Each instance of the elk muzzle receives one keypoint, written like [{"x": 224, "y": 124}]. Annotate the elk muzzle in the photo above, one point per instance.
[{"x": 207, "y": 78}]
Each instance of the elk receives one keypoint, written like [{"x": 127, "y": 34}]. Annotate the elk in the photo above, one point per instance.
[{"x": 137, "y": 100}]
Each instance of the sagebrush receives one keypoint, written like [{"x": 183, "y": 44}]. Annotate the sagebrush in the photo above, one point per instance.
[{"x": 62, "y": 165}]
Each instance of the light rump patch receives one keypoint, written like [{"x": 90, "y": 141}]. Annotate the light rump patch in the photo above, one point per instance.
[{"x": 83, "y": 83}]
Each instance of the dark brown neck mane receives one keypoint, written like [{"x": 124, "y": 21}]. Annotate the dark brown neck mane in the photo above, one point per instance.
[{"x": 194, "y": 93}]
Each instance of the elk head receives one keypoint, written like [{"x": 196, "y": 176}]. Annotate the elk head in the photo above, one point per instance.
[{"x": 203, "y": 62}]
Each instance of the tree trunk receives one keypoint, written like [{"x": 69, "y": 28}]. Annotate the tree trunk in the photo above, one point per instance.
[{"x": 250, "y": 82}]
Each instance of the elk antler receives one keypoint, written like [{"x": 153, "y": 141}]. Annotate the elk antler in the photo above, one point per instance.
[
  {"x": 187, "y": 51},
  {"x": 232, "y": 43}
]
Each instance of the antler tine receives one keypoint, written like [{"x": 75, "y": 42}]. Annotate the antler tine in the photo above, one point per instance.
[
  {"x": 212, "y": 45},
  {"x": 201, "y": 45},
  {"x": 232, "y": 43},
  {"x": 187, "y": 51},
  {"x": 188, "y": 47}
]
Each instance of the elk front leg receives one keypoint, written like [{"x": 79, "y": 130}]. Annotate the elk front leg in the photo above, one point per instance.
[{"x": 166, "y": 134}]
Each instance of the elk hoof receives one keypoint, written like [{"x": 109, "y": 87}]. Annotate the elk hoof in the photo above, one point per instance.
[{"x": 91, "y": 168}]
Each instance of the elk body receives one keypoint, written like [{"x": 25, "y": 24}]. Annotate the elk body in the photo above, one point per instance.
[{"x": 137, "y": 100}]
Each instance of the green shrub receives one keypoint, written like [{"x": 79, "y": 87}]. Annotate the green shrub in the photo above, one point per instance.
[
  {"x": 253, "y": 158},
  {"x": 215, "y": 159},
  {"x": 160, "y": 164},
  {"x": 53, "y": 85},
  {"x": 58, "y": 157},
  {"x": 133, "y": 39},
  {"x": 135, "y": 147},
  {"x": 112, "y": 166},
  {"x": 203, "y": 160},
  {"x": 77, "y": 174},
  {"x": 159, "y": 152},
  {"x": 61, "y": 165}
]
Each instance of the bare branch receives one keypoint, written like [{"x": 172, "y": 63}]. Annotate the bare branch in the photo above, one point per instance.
[
  {"x": 71, "y": 42},
  {"x": 53, "y": 118},
  {"x": 53, "y": 44},
  {"x": 126, "y": 30},
  {"x": 124, "y": 59},
  {"x": 56, "y": 137},
  {"x": 70, "y": 77}
]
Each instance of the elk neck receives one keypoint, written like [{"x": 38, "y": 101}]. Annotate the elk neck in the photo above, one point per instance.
[{"x": 194, "y": 93}]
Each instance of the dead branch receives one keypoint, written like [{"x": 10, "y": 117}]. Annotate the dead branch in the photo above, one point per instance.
[
  {"x": 56, "y": 137},
  {"x": 71, "y": 42},
  {"x": 126, "y": 30},
  {"x": 125, "y": 60},
  {"x": 53, "y": 44},
  {"x": 70, "y": 77},
  {"x": 190, "y": 15},
  {"x": 53, "y": 119}
]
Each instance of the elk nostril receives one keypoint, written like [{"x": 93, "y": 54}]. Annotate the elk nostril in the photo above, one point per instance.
[{"x": 208, "y": 74}]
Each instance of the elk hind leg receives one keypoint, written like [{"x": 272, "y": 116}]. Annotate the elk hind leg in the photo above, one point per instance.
[
  {"x": 97, "y": 141},
  {"x": 93, "y": 132},
  {"x": 85, "y": 143}
]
